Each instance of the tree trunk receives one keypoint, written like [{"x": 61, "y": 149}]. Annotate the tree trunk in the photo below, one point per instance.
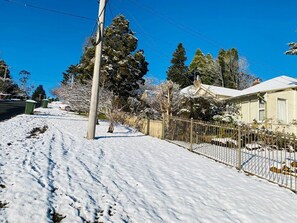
[
  {"x": 111, "y": 127},
  {"x": 111, "y": 120},
  {"x": 115, "y": 105}
]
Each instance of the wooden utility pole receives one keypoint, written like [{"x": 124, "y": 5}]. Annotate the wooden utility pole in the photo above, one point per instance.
[{"x": 96, "y": 75}]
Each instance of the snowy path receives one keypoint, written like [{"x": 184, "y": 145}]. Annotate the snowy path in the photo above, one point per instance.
[{"x": 122, "y": 177}]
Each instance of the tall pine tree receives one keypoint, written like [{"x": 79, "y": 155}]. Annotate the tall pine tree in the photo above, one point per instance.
[
  {"x": 4, "y": 70},
  {"x": 213, "y": 69},
  {"x": 39, "y": 93},
  {"x": 228, "y": 61},
  {"x": 4, "y": 77},
  {"x": 74, "y": 72},
  {"x": 123, "y": 67},
  {"x": 207, "y": 68},
  {"x": 198, "y": 66},
  {"x": 178, "y": 72}
]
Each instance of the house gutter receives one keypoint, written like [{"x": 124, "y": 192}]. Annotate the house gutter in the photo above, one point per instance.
[{"x": 258, "y": 92}]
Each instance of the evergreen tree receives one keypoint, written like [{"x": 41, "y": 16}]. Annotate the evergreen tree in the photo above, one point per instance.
[
  {"x": 71, "y": 72},
  {"x": 12, "y": 89},
  {"x": 39, "y": 93},
  {"x": 222, "y": 64},
  {"x": 123, "y": 68},
  {"x": 7, "y": 85},
  {"x": 5, "y": 81},
  {"x": 198, "y": 66},
  {"x": 228, "y": 61},
  {"x": 84, "y": 70},
  {"x": 178, "y": 71},
  {"x": 4, "y": 70},
  {"x": 213, "y": 70},
  {"x": 207, "y": 68}
]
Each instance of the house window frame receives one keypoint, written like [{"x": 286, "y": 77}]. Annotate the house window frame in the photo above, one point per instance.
[
  {"x": 286, "y": 111},
  {"x": 261, "y": 109}
]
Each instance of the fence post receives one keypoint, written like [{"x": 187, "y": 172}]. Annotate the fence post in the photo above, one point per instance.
[
  {"x": 148, "y": 126},
  {"x": 239, "y": 149},
  {"x": 163, "y": 126},
  {"x": 191, "y": 136}
]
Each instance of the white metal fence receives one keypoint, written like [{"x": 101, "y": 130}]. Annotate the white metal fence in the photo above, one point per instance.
[
  {"x": 268, "y": 155},
  {"x": 258, "y": 152}
]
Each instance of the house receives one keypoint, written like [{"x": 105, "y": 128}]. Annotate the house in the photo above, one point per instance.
[
  {"x": 272, "y": 104},
  {"x": 199, "y": 89}
]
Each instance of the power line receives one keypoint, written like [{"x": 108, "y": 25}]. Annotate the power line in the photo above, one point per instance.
[
  {"x": 177, "y": 24},
  {"x": 193, "y": 32},
  {"x": 58, "y": 12},
  {"x": 109, "y": 7},
  {"x": 49, "y": 10}
]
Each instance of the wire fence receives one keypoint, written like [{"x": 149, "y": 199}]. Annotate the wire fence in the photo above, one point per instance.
[{"x": 269, "y": 155}]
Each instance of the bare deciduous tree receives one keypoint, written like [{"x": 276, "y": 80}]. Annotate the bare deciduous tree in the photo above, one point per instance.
[
  {"x": 245, "y": 79},
  {"x": 169, "y": 97}
]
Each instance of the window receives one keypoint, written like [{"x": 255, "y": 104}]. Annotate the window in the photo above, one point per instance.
[
  {"x": 261, "y": 110},
  {"x": 282, "y": 110}
]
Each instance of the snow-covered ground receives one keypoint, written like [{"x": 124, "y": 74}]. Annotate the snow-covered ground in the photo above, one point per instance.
[
  {"x": 256, "y": 161},
  {"x": 122, "y": 177}
]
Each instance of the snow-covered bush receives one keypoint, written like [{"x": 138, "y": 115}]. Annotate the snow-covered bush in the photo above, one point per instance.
[
  {"x": 201, "y": 108},
  {"x": 78, "y": 95},
  {"x": 230, "y": 115}
]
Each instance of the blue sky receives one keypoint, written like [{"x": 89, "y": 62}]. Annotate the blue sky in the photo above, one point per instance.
[{"x": 46, "y": 43}]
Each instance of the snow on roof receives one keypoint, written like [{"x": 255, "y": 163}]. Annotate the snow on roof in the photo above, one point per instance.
[
  {"x": 277, "y": 83},
  {"x": 189, "y": 91},
  {"x": 222, "y": 90},
  {"x": 192, "y": 90}
]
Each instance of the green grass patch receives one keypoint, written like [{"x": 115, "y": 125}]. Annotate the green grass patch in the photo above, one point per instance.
[{"x": 102, "y": 116}]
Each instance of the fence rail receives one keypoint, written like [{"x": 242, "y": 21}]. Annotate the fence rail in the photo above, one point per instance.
[{"x": 268, "y": 155}]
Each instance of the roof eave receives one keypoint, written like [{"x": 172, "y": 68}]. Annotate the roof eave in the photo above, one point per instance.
[{"x": 258, "y": 92}]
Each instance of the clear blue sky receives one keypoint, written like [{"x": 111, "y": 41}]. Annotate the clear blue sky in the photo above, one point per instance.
[{"x": 46, "y": 43}]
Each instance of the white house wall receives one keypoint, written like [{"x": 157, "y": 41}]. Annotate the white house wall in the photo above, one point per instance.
[
  {"x": 245, "y": 111},
  {"x": 249, "y": 110},
  {"x": 291, "y": 106}
]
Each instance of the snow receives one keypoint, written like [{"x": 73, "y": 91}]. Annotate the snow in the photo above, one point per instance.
[
  {"x": 32, "y": 101},
  {"x": 191, "y": 91},
  {"x": 122, "y": 177},
  {"x": 278, "y": 83},
  {"x": 222, "y": 90}
]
